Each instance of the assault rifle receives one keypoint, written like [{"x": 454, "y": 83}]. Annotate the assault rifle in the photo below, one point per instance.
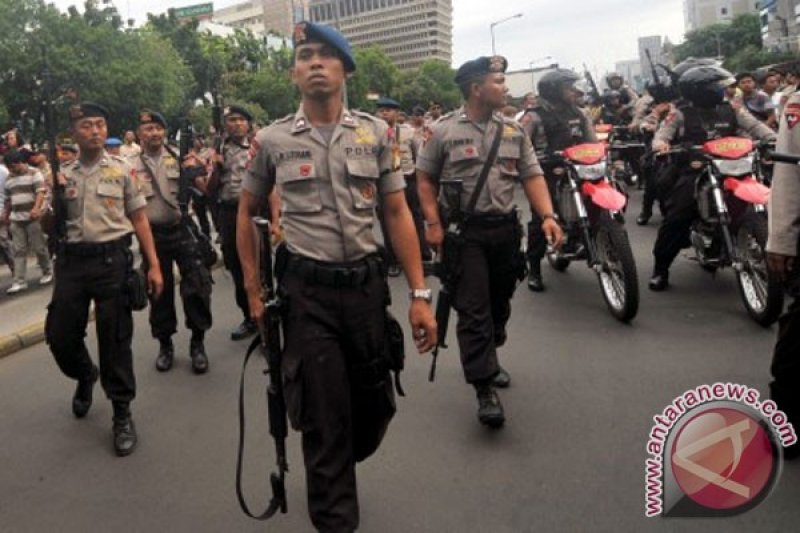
[
  {"x": 218, "y": 121},
  {"x": 447, "y": 265},
  {"x": 595, "y": 93},
  {"x": 268, "y": 343},
  {"x": 59, "y": 196}
]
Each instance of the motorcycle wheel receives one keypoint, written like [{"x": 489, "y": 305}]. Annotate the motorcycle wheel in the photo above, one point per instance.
[
  {"x": 618, "y": 279},
  {"x": 762, "y": 297}
]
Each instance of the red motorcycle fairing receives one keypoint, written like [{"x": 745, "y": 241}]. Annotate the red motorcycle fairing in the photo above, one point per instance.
[
  {"x": 586, "y": 154},
  {"x": 604, "y": 195},
  {"x": 729, "y": 147},
  {"x": 748, "y": 189}
]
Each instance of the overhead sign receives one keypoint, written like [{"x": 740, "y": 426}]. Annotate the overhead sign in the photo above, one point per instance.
[{"x": 197, "y": 11}]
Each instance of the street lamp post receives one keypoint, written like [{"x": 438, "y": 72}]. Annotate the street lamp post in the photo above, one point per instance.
[{"x": 493, "y": 24}]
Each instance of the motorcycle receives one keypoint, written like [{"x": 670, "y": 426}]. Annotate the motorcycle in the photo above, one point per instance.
[
  {"x": 624, "y": 153},
  {"x": 590, "y": 205},
  {"x": 731, "y": 230}
]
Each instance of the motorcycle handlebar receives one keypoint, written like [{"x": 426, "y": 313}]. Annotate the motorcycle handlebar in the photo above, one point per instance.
[{"x": 785, "y": 158}]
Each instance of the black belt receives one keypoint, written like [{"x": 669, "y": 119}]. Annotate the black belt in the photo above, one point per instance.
[
  {"x": 336, "y": 275},
  {"x": 95, "y": 249},
  {"x": 485, "y": 221}
]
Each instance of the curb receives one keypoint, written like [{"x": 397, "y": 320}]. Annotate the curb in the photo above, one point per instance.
[{"x": 33, "y": 334}]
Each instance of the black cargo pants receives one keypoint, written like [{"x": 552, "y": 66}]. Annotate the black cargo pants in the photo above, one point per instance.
[
  {"x": 79, "y": 280},
  {"x": 336, "y": 394},
  {"x": 230, "y": 255}
]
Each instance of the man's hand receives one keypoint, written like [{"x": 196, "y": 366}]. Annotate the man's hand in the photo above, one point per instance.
[
  {"x": 434, "y": 235},
  {"x": 155, "y": 283},
  {"x": 661, "y": 147},
  {"x": 35, "y": 213},
  {"x": 423, "y": 325},
  {"x": 255, "y": 303},
  {"x": 781, "y": 266},
  {"x": 553, "y": 233}
]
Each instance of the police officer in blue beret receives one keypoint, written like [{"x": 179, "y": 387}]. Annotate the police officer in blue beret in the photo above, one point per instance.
[{"x": 331, "y": 165}]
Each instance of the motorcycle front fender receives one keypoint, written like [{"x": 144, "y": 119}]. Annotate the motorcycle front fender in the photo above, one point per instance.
[
  {"x": 748, "y": 190},
  {"x": 604, "y": 195}
]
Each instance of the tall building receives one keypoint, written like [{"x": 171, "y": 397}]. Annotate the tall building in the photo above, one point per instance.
[
  {"x": 780, "y": 25},
  {"x": 632, "y": 72},
  {"x": 275, "y": 16},
  {"x": 652, "y": 44},
  {"x": 698, "y": 14},
  {"x": 409, "y": 31}
]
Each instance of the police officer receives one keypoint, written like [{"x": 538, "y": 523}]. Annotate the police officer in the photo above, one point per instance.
[
  {"x": 158, "y": 171},
  {"x": 406, "y": 148},
  {"x": 103, "y": 207},
  {"x": 699, "y": 116},
  {"x": 330, "y": 164},
  {"x": 627, "y": 96},
  {"x": 783, "y": 247},
  {"x": 555, "y": 123},
  {"x": 491, "y": 260},
  {"x": 226, "y": 184}
]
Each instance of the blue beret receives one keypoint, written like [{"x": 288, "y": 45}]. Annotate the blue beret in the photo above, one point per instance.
[
  {"x": 385, "y": 101},
  {"x": 307, "y": 32},
  {"x": 238, "y": 110},
  {"x": 113, "y": 141},
  {"x": 87, "y": 110},
  {"x": 480, "y": 67},
  {"x": 152, "y": 117}
]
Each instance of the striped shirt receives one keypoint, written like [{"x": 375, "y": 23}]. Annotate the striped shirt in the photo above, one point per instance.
[{"x": 21, "y": 192}]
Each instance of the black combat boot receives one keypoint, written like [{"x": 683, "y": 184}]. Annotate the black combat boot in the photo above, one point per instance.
[
  {"x": 535, "y": 282},
  {"x": 490, "y": 410},
  {"x": 644, "y": 217},
  {"x": 166, "y": 353},
  {"x": 82, "y": 399},
  {"x": 246, "y": 329},
  {"x": 125, "y": 438},
  {"x": 502, "y": 379},
  {"x": 197, "y": 352},
  {"x": 660, "y": 279}
]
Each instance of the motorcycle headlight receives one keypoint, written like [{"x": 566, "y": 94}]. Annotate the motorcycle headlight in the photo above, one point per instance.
[
  {"x": 591, "y": 172},
  {"x": 734, "y": 167}
]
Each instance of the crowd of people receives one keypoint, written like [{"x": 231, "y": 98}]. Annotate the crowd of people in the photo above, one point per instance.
[{"x": 440, "y": 184}]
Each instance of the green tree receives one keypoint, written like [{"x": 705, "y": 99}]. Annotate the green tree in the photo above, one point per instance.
[
  {"x": 433, "y": 80},
  {"x": 375, "y": 74}
]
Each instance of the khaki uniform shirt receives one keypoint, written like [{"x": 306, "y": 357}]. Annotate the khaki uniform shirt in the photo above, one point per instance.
[
  {"x": 407, "y": 140},
  {"x": 159, "y": 179},
  {"x": 130, "y": 150},
  {"x": 784, "y": 203},
  {"x": 328, "y": 191},
  {"x": 641, "y": 110},
  {"x": 748, "y": 125},
  {"x": 234, "y": 170},
  {"x": 100, "y": 200},
  {"x": 457, "y": 149}
]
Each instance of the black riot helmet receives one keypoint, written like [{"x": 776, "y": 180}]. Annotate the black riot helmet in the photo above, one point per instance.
[
  {"x": 610, "y": 96},
  {"x": 614, "y": 76},
  {"x": 690, "y": 62},
  {"x": 705, "y": 86},
  {"x": 551, "y": 85}
]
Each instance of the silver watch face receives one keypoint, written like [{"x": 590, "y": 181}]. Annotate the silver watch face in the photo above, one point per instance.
[{"x": 422, "y": 294}]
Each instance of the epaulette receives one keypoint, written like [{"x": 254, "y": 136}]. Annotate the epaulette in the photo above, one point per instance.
[{"x": 283, "y": 119}]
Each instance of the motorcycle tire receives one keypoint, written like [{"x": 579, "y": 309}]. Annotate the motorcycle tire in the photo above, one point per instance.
[
  {"x": 761, "y": 295},
  {"x": 619, "y": 281}
]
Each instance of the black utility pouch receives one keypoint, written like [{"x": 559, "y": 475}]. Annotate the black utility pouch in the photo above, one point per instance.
[
  {"x": 136, "y": 289},
  {"x": 395, "y": 350}
]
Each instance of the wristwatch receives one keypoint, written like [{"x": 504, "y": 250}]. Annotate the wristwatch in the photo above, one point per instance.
[
  {"x": 550, "y": 215},
  {"x": 421, "y": 294}
]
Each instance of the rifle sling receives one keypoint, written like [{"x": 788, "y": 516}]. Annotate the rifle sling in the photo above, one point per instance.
[
  {"x": 487, "y": 166},
  {"x": 274, "y": 504}
]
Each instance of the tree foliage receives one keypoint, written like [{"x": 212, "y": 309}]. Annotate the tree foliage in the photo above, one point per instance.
[
  {"x": 739, "y": 43},
  {"x": 433, "y": 80}
]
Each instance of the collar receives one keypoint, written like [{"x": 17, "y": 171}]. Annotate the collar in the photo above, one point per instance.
[
  {"x": 301, "y": 123},
  {"x": 461, "y": 113}
]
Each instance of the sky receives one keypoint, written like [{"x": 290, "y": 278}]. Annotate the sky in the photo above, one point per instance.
[{"x": 572, "y": 32}]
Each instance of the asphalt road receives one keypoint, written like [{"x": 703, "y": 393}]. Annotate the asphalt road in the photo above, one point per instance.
[{"x": 571, "y": 457}]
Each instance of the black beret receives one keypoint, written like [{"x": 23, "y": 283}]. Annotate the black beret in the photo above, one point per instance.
[
  {"x": 308, "y": 32},
  {"x": 15, "y": 156},
  {"x": 152, "y": 117},
  {"x": 480, "y": 67},
  {"x": 238, "y": 110},
  {"x": 385, "y": 101},
  {"x": 87, "y": 110}
]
